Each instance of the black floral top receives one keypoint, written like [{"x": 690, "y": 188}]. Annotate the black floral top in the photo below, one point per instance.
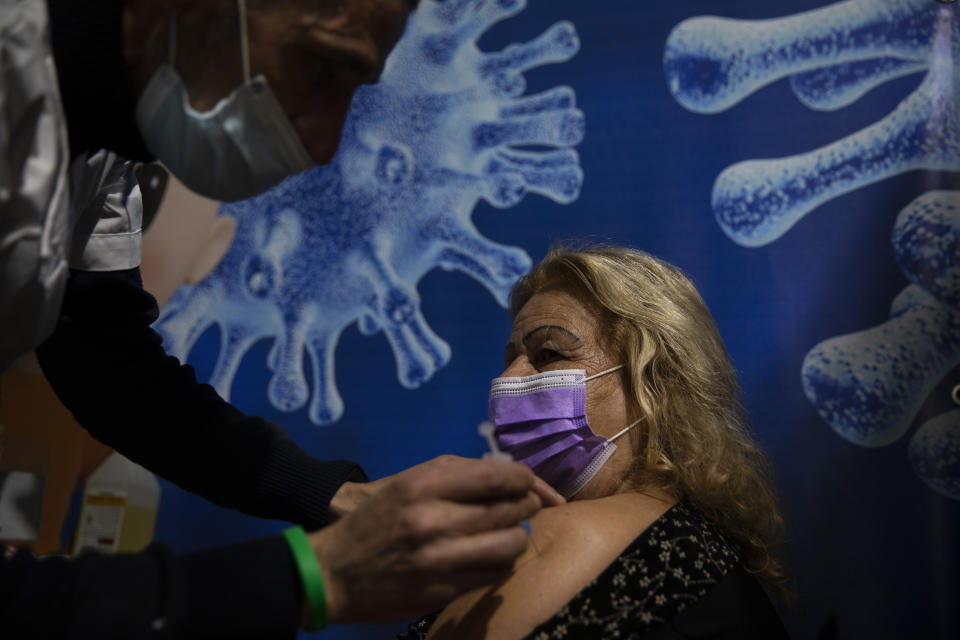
[{"x": 668, "y": 568}]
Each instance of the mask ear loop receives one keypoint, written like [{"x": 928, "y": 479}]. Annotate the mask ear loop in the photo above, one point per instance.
[
  {"x": 606, "y": 371},
  {"x": 627, "y": 428},
  {"x": 244, "y": 42},
  {"x": 595, "y": 464}
]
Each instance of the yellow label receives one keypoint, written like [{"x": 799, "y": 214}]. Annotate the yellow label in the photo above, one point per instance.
[
  {"x": 106, "y": 501},
  {"x": 137, "y": 530}
]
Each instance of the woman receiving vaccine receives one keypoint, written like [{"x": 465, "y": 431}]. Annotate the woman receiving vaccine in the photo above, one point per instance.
[{"x": 618, "y": 391}]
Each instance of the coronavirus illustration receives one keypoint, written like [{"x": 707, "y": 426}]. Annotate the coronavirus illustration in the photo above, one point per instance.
[
  {"x": 447, "y": 125},
  {"x": 935, "y": 453},
  {"x": 832, "y": 57},
  {"x": 869, "y": 386}
]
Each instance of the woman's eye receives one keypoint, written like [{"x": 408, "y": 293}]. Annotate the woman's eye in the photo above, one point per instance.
[{"x": 545, "y": 356}]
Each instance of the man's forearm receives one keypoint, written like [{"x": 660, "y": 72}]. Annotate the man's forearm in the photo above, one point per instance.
[{"x": 109, "y": 368}]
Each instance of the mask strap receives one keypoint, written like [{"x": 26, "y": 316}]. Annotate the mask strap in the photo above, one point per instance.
[
  {"x": 244, "y": 42},
  {"x": 627, "y": 428},
  {"x": 172, "y": 41},
  {"x": 597, "y": 375}
]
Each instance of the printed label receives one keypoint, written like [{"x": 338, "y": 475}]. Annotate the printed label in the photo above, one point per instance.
[{"x": 101, "y": 521}]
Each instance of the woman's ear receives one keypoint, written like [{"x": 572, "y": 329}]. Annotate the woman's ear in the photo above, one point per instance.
[{"x": 221, "y": 235}]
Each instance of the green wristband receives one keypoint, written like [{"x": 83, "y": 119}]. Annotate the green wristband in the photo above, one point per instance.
[{"x": 311, "y": 576}]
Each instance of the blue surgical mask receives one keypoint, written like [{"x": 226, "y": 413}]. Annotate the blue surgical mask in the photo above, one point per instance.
[{"x": 241, "y": 147}]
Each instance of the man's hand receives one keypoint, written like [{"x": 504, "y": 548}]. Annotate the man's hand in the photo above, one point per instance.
[
  {"x": 425, "y": 536},
  {"x": 353, "y": 494}
]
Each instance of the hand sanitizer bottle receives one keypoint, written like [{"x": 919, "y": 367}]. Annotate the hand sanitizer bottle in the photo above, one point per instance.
[{"x": 119, "y": 511}]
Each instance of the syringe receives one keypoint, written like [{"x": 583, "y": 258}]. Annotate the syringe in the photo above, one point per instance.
[{"x": 486, "y": 431}]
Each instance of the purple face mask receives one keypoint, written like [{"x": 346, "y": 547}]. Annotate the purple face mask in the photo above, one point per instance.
[{"x": 541, "y": 421}]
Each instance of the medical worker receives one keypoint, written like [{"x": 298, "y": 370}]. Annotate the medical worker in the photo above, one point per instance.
[{"x": 232, "y": 96}]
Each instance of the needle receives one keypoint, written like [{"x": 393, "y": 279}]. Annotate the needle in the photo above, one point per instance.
[{"x": 486, "y": 430}]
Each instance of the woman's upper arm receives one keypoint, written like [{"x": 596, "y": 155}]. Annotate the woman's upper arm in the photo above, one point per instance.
[{"x": 569, "y": 546}]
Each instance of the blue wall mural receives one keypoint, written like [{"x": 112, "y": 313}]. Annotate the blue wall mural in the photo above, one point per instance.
[
  {"x": 800, "y": 160},
  {"x": 832, "y": 56},
  {"x": 347, "y": 243},
  {"x": 868, "y": 385}
]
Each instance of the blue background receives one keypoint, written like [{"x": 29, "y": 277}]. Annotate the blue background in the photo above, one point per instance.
[{"x": 873, "y": 549}]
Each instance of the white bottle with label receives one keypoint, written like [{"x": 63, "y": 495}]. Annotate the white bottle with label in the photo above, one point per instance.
[{"x": 119, "y": 512}]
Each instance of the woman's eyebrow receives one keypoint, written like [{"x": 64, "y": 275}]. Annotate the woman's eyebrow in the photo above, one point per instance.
[{"x": 551, "y": 326}]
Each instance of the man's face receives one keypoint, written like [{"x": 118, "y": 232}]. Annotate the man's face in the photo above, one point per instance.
[{"x": 315, "y": 55}]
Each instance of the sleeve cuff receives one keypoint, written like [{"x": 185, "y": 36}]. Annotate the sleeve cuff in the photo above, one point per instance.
[
  {"x": 109, "y": 207},
  {"x": 296, "y": 483},
  {"x": 109, "y": 252}
]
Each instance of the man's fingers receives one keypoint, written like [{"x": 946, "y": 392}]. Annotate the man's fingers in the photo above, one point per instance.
[
  {"x": 442, "y": 518},
  {"x": 490, "y": 550},
  {"x": 446, "y": 459},
  {"x": 464, "y": 480},
  {"x": 548, "y": 495}
]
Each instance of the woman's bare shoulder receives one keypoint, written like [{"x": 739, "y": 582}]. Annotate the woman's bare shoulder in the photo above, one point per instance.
[
  {"x": 570, "y": 545},
  {"x": 610, "y": 522}
]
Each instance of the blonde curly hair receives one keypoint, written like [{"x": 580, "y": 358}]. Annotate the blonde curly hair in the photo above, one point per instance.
[{"x": 697, "y": 443}]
